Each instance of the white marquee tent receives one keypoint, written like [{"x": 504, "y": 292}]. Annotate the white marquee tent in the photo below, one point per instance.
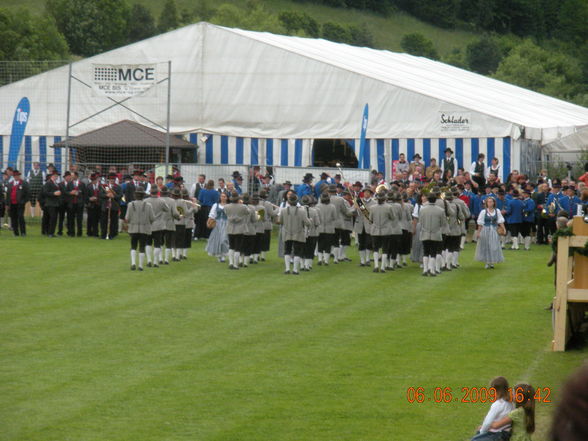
[{"x": 262, "y": 99}]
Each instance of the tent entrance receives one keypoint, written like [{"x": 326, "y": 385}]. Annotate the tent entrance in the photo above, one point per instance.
[{"x": 329, "y": 152}]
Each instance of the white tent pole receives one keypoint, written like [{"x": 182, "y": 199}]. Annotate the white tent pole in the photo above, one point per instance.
[
  {"x": 167, "y": 169},
  {"x": 67, "y": 117}
]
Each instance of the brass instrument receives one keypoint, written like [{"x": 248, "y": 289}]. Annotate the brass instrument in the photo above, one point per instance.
[
  {"x": 549, "y": 210},
  {"x": 358, "y": 202},
  {"x": 381, "y": 187},
  {"x": 109, "y": 195},
  {"x": 180, "y": 210},
  {"x": 261, "y": 214}
]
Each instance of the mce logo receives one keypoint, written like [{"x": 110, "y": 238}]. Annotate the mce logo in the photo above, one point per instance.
[
  {"x": 21, "y": 117},
  {"x": 124, "y": 74},
  {"x": 137, "y": 74}
]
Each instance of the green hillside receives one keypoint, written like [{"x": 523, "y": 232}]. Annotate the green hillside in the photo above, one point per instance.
[{"x": 387, "y": 31}]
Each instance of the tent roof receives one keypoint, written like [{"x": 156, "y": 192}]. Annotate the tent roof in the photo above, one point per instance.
[
  {"x": 257, "y": 84},
  {"x": 435, "y": 79},
  {"x": 124, "y": 134}
]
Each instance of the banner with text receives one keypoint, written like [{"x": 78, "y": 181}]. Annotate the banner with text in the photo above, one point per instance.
[{"x": 123, "y": 80}]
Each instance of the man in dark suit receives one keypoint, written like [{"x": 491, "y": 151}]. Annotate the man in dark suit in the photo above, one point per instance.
[
  {"x": 110, "y": 197},
  {"x": 17, "y": 195},
  {"x": 64, "y": 202},
  {"x": 51, "y": 193},
  {"x": 93, "y": 200},
  {"x": 75, "y": 190}
]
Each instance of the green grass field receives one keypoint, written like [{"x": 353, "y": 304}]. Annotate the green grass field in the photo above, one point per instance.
[{"x": 91, "y": 351}]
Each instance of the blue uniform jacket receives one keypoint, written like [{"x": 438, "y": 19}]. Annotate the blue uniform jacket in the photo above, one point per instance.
[
  {"x": 528, "y": 210},
  {"x": 514, "y": 211}
]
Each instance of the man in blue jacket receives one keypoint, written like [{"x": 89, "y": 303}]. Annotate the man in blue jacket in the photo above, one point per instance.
[{"x": 514, "y": 218}]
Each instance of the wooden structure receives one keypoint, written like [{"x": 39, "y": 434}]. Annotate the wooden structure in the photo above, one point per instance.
[{"x": 571, "y": 292}]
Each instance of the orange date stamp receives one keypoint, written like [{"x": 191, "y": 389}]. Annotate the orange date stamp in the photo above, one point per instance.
[{"x": 447, "y": 395}]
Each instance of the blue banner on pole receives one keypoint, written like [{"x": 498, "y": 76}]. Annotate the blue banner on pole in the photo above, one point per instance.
[
  {"x": 361, "y": 163},
  {"x": 19, "y": 124}
]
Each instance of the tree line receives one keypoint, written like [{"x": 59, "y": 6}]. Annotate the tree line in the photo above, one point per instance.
[{"x": 538, "y": 44}]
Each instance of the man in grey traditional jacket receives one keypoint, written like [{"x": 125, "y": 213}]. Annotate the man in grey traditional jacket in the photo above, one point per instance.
[
  {"x": 154, "y": 242},
  {"x": 433, "y": 221},
  {"x": 293, "y": 220},
  {"x": 383, "y": 218},
  {"x": 237, "y": 217}
]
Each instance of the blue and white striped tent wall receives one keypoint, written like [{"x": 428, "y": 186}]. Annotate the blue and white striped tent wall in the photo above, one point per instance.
[
  {"x": 220, "y": 149},
  {"x": 34, "y": 148}
]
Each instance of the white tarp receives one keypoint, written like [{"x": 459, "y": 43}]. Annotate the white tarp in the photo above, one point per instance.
[
  {"x": 574, "y": 143},
  {"x": 252, "y": 84}
]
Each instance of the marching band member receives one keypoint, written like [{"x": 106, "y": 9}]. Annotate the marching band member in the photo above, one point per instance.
[
  {"x": 190, "y": 223},
  {"x": 528, "y": 218},
  {"x": 110, "y": 195},
  {"x": 440, "y": 261},
  {"x": 326, "y": 228},
  {"x": 154, "y": 241},
  {"x": 293, "y": 219},
  {"x": 342, "y": 210},
  {"x": 514, "y": 218},
  {"x": 406, "y": 225},
  {"x": 170, "y": 217},
  {"x": 139, "y": 217},
  {"x": 383, "y": 217},
  {"x": 395, "y": 243},
  {"x": 346, "y": 227},
  {"x": 270, "y": 214},
  {"x": 259, "y": 227},
  {"x": 488, "y": 249},
  {"x": 462, "y": 206},
  {"x": 237, "y": 216},
  {"x": 308, "y": 202},
  {"x": 250, "y": 233},
  {"x": 180, "y": 233},
  {"x": 433, "y": 222},
  {"x": 362, "y": 228},
  {"x": 454, "y": 220}
]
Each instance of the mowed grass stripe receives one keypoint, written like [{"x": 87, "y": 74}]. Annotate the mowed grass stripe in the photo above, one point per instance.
[{"x": 195, "y": 351}]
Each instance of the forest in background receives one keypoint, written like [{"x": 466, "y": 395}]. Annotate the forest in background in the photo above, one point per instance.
[{"x": 538, "y": 44}]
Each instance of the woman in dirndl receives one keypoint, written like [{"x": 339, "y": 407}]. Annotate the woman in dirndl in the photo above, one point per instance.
[
  {"x": 218, "y": 241},
  {"x": 488, "y": 249},
  {"x": 416, "y": 252}
]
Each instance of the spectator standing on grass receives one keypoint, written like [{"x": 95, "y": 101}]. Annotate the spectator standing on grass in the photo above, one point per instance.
[
  {"x": 500, "y": 408},
  {"x": 51, "y": 194},
  {"x": 208, "y": 196},
  {"x": 488, "y": 249},
  {"x": 17, "y": 195},
  {"x": 35, "y": 179}
]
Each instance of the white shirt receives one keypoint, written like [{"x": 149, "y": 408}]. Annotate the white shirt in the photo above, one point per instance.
[
  {"x": 473, "y": 170},
  {"x": 499, "y": 409},
  {"x": 482, "y": 215}
]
